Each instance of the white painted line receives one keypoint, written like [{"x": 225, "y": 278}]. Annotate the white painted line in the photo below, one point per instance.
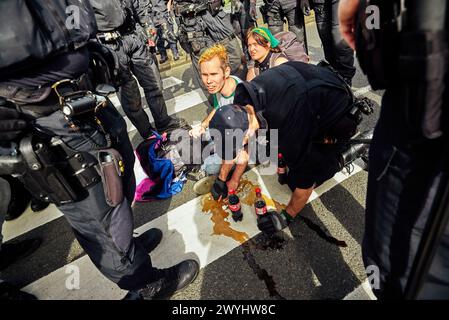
[
  {"x": 362, "y": 292},
  {"x": 175, "y": 105},
  {"x": 169, "y": 82},
  {"x": 188, "y": 233},
  {"x": 361, "y": 91},
  {"x": 28, "y": 221}
]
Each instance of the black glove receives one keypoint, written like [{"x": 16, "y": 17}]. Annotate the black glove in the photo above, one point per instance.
[
  {"x": 305, "y": 7},
  {"x": 10, "y": 123},
  {"x": 220, "y": 188},
  {"x": 272, "y": 222}
]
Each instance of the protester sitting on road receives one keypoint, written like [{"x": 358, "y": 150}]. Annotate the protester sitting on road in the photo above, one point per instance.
[
  {"x": 217, "y": 79},
  {"x": 305, "y": 117},
  {"x": 264, "y": 51}
]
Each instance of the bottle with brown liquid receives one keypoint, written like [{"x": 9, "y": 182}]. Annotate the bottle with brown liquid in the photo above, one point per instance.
[
  {"x": 234, "y": 206},
  {"x": 282, "y": 170},
  {"x": 260, "y": 204}
]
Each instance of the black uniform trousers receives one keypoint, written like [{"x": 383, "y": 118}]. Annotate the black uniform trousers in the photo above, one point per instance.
[
  {"x": 135, "y": 59},
  {"x": 279, "y": 10},
  {"x": 336, "y": 50},
  {"x": 402, "y": 182},
  {"x": 104, "y": 232}
]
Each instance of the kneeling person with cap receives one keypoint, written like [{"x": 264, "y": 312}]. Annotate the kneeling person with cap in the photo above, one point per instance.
[{"x": 308, "y": 105}]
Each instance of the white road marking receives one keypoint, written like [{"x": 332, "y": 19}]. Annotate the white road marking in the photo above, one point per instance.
[
  {"x": 362, "y": 292},
  {"x": 175, "y": 105}
]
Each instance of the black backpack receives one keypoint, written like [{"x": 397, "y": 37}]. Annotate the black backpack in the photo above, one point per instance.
[{"x": 33, "y": 30}]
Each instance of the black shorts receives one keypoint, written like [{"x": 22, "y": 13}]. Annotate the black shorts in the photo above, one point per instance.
[{"x": 320, "y": 164}]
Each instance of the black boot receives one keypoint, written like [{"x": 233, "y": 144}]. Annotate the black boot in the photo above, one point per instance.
[
  {"x": 355, "y": 151},
  {"x": 11, "y": 292},
  {"x": 174, "y": 279},
  {"x": 38, "y": 205},
  {"x": 11, "y": 252},
  {"x": 150, "y": 239},
  {"x": 20, "y": 199}
]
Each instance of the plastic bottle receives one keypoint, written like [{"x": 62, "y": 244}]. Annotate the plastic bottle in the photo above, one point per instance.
[
  {"x": 282, "y": 170},
  {"x": 260, "y": 205},
  {"x": 234, "y": 206}
]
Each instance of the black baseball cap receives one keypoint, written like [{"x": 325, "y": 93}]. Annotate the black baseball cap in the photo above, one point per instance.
[{"x": 228, "y": 129}]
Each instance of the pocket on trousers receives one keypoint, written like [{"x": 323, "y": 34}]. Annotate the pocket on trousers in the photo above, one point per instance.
[
  {"x": 387, "y": 163},
  {"x": 120, "y": 229}
]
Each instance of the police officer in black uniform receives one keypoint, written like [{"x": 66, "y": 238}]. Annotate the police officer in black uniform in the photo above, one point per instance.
[
  {"x": 163, "y": 23},
  {"x": 203, "y": 23},
  {"x": 406, "y": 240},
  {"x": 309, "y": 106},
  {"x": 276, "y": 11},
  {"x": 122, "y": 27},
  {"x": 243, "y": 17},
  {"x": 57, "y": 137},
  {"x": 336, "y": 50}
]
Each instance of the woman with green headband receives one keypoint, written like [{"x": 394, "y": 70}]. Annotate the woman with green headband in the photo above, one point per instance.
[{"x": 264, "y": 50}]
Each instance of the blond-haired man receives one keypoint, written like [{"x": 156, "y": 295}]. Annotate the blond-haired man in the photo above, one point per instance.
[{"x": 217, "y": 79}]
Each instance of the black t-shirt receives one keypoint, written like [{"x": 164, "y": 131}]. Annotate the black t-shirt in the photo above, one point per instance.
[
  {"x": 298, "y": 99},
  {"x": 265, "y": 64}
]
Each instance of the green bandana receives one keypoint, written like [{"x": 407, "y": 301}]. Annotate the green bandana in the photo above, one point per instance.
[{"x": 267, "y": 35}]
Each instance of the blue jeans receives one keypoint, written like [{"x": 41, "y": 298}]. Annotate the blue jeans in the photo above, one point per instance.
[{"x": 402, "y": 182}]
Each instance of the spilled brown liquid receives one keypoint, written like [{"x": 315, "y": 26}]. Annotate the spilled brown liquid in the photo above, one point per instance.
[
  {"x": 219, "y": 216},
  {"x": 247, "y": 194}
]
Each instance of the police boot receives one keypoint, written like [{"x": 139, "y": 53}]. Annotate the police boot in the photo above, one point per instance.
[
  {"x": 150, "y": 239},
  {"x": 38, "y": 205},
  {"x": 11, "y": 292},
  {"x": 173, "y": 279},
  {"x": 11, "y": 252},
  {"x": 20, "y": 198},
  {"x": 355, "y": 151}
]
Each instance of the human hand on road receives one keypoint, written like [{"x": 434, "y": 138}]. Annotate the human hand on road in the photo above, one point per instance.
[
  {"x": 272, "y": 222},
  {"x": 347, "y": 11},
  {"x": 197, "y": 131}
]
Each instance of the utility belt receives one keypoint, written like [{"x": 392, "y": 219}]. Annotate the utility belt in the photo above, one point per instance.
[
  {"x": 128, "y": 27},
  {"x": 108, "y": 37},
  {"x": 55, "y": 172},
  {"x": 345, "y": 127},
  {"x": 58, "y": 174},
  {"x": 189, "y": 9}
]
